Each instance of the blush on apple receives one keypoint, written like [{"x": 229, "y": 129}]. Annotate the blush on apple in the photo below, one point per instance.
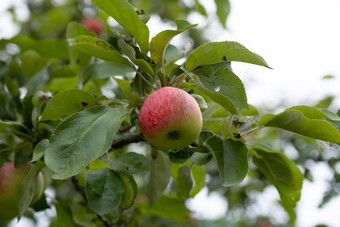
[
  {"x": 94, "y": 24},
  {"x": 10, "y": 182},
  {"x": 170, "y": 118}
]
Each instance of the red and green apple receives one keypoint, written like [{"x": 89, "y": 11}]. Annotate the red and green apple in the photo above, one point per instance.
[
  {"x": 10, "y": 182},
  {"x": 94, "y": 24},
  {"x": 170, "y": 118}
]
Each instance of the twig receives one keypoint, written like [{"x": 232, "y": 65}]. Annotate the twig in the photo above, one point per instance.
[
  {"x": 134, "y": 138},
  {"x": 81, "y": 190}
]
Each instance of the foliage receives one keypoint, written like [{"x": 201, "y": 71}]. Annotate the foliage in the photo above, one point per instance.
[{"x": 69, "y": 102}]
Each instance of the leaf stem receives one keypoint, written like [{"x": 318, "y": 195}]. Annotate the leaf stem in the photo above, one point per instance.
[
  {"x": 141, "y": 75},
  {"x": 154, "y": 80},
  {"x": 176, "y": 79},
  {"x": 183, "y": 78},
  {"x": 163, "y": 69},
  {"x": 250, "y": 131},
  {"x": 24, "y": 135}
]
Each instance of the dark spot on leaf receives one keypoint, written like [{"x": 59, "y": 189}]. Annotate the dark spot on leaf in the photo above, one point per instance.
[
  {"x": 237, "y": 135},
  {"x": 84, "y": 104},
  {"x": 224, "y": 58},
  {"x": 140, "y": 11},
  {"x": 78, "y": 61}
]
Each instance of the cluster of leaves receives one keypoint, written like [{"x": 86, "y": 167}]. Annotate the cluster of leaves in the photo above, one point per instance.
[{"x": 70, "y": 104}]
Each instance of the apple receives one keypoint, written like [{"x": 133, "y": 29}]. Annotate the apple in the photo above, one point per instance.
[
  {"x": 94, "y": 24},
  {"x": 10, "y": 182},
  {"x": 170, "y": 118}
]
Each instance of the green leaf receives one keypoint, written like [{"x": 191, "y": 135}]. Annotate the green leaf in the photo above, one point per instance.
[
  {"x": 78, "y": 59},
  {"x": 231, "y": 159},
  {"x": 250, "y": 111},
  {"x": 181, "y": 156},
  {"x": 38, "y": 81},
  {"x": 52, "y": 48},
  {"x": 223, "y": 10},
  {"x": 64, "y": 217},
  {"x": 66, "y": 103},
  {"x": 32, "y": 62},
  {"x": 105, "y": 70},
  {"x": 127, "y": 17},
  {"x": 330, "y": 115},
  {"x": 104, "y": 190},
  {"x": 23, "y": 41},
  {"x": 160, "y": 174},
  {"x": 130, "y": 191},
  {"x": 167, "y": 207},
  {"x": 281, "y": 172},
  {"x": 198, "y": 173},
  {"x": 185, "y": 182},
  {"x": 28, "y": 188},
  {"x": 74, "y": 29},
  {"x": 160, "y": 42},
  {"x": 62, "y": 72},
  {"x": 131, "y": 162},
  {"x": 131, "y": 53},
  {"x": 82, "y": 138},
  {"x": 125, "y": 87},
  {"x": 200, "y": 8},
  {"x": 222, "y": 86},
  {"x": 201, "y": 158},
  {"x": 172, "y": 54},
  {"x": 48, "y": 48},
  {"x": 9, "y": 124},
  {"x": 215, "y": 52},
  {"x": 304, "y": 120},
  {"x": 40, "y": 149},
  {"x": 325, "y": 102},
  {"x": 98, "y": 48}
]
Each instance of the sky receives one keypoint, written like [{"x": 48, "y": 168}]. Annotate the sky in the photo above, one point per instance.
[{"x": 299, "y": 39}]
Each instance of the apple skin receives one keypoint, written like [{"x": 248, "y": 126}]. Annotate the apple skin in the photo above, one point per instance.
[
  {"x": 94, "y": 24},
  {"x": 170, "y": 118},
  {"x": 10, "y": 181}
]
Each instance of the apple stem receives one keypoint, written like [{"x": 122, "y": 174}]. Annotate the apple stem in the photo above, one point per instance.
[{"x": 141, "y": 75}]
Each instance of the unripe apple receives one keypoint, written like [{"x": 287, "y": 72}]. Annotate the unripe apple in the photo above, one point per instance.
[
  {"x": 170, "y": 118},
  {"x": 10, "y": 182},
  {"x": 94, "y": 24}
]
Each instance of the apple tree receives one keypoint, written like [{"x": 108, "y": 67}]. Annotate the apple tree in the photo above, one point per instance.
[{"x": 72, "y": 96}]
